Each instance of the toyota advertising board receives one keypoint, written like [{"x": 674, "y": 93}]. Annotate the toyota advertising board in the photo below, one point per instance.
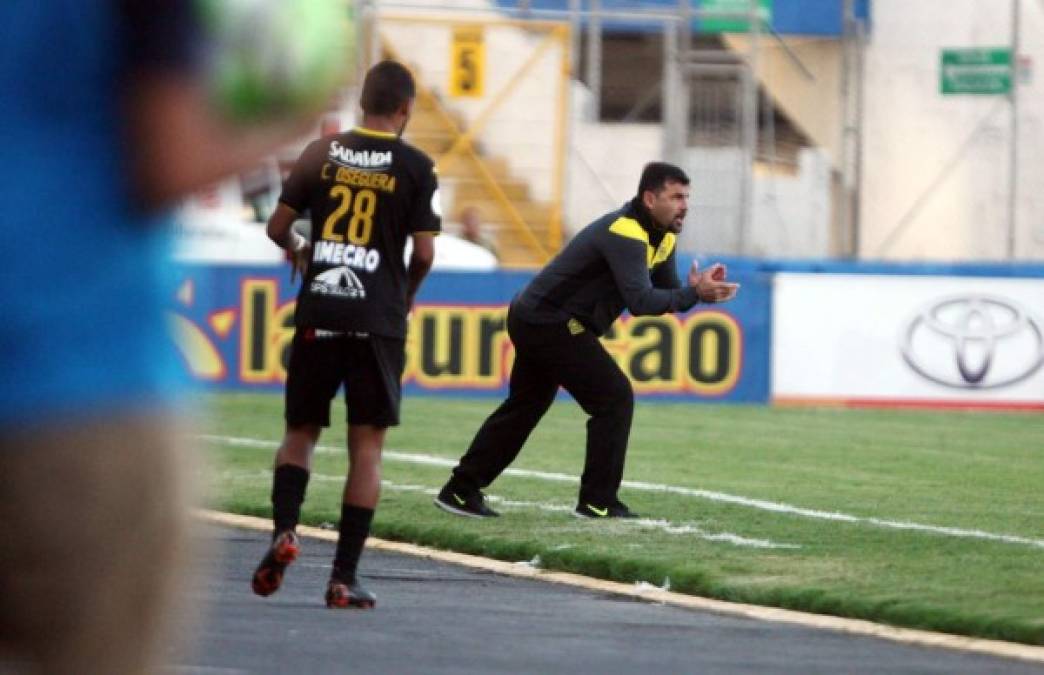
[{"x": 908, "y": 340}]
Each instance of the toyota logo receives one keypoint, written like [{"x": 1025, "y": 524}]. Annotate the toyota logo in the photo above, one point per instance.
[{"x": 974, "y": 342}]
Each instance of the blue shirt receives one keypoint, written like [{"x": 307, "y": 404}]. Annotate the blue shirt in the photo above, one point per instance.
[{"x": 83, "y": 275}]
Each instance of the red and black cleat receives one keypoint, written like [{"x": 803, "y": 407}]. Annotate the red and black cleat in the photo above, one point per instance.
[
  {"x": 341, "y": 595},
  {"x": 268, "y": 576}
]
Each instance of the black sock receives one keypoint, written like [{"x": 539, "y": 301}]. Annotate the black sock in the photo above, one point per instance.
[
  {"x": 352, "y": 533},
  {"x": 288, "y": 492}
]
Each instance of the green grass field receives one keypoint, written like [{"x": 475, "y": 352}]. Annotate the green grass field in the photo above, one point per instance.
[{"x": 921, "y": 519}]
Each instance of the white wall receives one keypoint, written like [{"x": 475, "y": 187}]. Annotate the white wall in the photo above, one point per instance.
[
  {"x": 922, "y": 197},
  {"x": 605, "y": 164},
  {"x": 791, "y": 213}
]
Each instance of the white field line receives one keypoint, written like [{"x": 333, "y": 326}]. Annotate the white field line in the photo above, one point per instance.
[
  {"x": 761, "y": 504},
  {"x": 638, "y": 523}
]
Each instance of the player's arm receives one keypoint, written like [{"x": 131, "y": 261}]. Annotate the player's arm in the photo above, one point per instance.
[
  {"x": 421, "y": 259},
  {"x": 426, "y": 224},
  {"x": 294, "y": 200},
  {"x": 280, "y": 229}
]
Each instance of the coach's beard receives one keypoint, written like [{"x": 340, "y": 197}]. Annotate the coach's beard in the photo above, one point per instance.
[{"x": 675, "y": 226}]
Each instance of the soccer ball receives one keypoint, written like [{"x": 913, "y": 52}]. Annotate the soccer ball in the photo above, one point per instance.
[{"x": 271, "y": 57}]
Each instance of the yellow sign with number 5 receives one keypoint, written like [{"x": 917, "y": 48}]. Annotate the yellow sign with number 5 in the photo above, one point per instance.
[{"x": 467, "y": 62}]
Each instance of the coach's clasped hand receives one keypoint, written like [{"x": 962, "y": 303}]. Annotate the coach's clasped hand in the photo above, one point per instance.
[{"x": 711, "y": 285}]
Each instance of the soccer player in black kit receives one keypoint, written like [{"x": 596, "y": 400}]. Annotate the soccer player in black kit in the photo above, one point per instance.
[
  {"x": 366, "y": 191},
  {"x": 623, "y": 260}
]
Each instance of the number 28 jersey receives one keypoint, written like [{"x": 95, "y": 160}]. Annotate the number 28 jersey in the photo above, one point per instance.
[{"x": 366, "y": 192}]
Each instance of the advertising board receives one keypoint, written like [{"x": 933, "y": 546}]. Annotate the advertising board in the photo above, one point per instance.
[
  {"x": 908, "y": 340},
  {"x": 233, "y": 327}
]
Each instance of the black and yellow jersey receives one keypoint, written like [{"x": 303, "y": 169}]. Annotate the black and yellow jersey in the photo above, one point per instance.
[
  {"x": 365, "y": 191},
  {"x": 620, "y": 261}
]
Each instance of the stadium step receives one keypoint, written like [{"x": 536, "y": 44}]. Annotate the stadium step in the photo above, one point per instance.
[
  {"x": 466, "y": 184},
  {"x": 468, "y": 189},
  {"x": 534, "y": 214}
]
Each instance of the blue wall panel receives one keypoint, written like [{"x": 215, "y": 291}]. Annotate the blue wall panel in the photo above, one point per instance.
[{"x": 234, "y": 326}]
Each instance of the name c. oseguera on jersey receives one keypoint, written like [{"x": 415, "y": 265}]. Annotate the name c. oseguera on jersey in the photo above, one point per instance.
[{"x": 385, "y": 182}]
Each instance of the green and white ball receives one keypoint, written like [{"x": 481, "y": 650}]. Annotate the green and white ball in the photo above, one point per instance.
[{"x": 273, "y": 57}]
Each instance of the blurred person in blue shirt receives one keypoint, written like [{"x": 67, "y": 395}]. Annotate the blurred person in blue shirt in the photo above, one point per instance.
[{"x": 106, "y": 120}]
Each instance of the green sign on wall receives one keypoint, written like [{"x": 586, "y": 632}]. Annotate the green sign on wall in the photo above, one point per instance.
[
  {"x": 975, "y": 71},
  {"x": 723, "y": 16}
]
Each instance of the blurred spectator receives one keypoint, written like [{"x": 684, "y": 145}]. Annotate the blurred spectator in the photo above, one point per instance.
[
  {"x": 107, "y": 118},
  {"x": 471, "y": 229},
  {"x": 259, "y": 185}
]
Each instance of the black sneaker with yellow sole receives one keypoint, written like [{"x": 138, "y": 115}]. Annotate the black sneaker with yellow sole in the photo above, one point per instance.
[
  {"x": 617, "y": 509},
  {"x": 467, "y": 504}
]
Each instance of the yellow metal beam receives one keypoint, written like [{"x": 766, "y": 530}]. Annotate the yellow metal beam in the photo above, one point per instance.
[
  {"x": 487, "y": 176},
  {"x": 558, "y": 179},
  {"x": 476, "y": 127},
  {"x": 558, "y": 33}
]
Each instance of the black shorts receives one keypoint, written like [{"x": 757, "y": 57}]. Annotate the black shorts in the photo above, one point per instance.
[{"x": 370, "y": 368}]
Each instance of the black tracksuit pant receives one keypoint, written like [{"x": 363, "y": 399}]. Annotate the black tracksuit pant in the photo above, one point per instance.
[{"x": 548, "y": 356}]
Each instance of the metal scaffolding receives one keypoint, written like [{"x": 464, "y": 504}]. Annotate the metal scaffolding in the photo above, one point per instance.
[{"x": 711, "y": 98}]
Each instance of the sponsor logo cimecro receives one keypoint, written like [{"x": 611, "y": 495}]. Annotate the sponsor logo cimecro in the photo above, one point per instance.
[
  {"x": 359, "y": 159},
  {"x": 973, "y": 341}
]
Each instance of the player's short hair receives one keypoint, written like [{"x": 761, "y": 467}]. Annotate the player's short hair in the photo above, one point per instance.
[
  {"x": 656, "y": 175},
  {"x": 388, "y": 85}
]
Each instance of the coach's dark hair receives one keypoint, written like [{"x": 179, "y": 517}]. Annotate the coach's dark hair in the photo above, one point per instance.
[
  {"x": 387, "y": 86},
  {"x": 656, "y": 175}
]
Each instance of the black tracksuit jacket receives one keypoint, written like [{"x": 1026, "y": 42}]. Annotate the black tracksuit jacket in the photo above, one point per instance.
[{"x": 620, "y": 261}]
